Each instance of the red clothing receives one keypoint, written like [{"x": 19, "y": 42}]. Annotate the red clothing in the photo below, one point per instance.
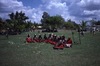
[
  {"x": 69, "y": 41},
  {"x": 28, "y": 39},
  {"x": 59, "y": 47},
  {"x": 53, "y": 43}
]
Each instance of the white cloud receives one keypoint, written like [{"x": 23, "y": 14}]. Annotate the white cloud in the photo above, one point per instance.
[
  {"x": 55, "y": 4},
  {"x": 9, "y": 6},
  {"x": 68, "y": 9},
  {"x": 57, "y": 7},
  {"x": 90, "y": 4}
]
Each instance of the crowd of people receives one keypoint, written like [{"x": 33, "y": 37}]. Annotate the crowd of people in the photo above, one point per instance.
[{"x": 59, "y": 42}]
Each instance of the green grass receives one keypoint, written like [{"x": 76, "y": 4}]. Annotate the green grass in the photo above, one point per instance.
[{"x": 14, "y": 52}]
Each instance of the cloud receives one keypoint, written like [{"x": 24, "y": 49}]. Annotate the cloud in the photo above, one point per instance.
[
  {"x": 90, "y": 8},
  {"x": 8, "y": 6},
  {"x": 90, "y": 4},
  {"x": 34, "y": 14},
  {"x": 57, "y": 7},
  {"x": 68, "y": 9}
]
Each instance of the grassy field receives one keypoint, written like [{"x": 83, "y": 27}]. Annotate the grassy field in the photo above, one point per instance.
[{"x": 14, "y": 52}]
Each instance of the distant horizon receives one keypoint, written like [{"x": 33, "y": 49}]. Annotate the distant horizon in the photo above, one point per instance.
[{"x": 76, "y": 10}]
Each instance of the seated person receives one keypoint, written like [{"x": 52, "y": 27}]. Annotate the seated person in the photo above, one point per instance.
[
  {"x": 53, "y": 40},
  {"x": 48, "y": 38},
  {"x": 35, "y": 38},
  {"x": 45, "y": 38},
  {"x": 28, "y": 39},
  {"x": 59, "y": 45},
  {"x": 40, "y": 38},
  {"x": 69, "y": 43},
  {"x": 62, "y": 37}
]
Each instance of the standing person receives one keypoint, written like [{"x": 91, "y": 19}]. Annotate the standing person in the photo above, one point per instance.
[
  {"x": 82, "y": 32},
  {"x": 7, "y": 32},
  {"x": 94, "y": 29},
  {"x": 7, "y": 35}
]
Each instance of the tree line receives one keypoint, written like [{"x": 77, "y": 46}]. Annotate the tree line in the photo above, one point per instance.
[{"x": 18, "y": 21}]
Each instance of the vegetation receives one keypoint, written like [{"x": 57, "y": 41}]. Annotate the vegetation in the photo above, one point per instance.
[
  {"x": 52, "y": 21},
  {"x": 19, "y": 22}
]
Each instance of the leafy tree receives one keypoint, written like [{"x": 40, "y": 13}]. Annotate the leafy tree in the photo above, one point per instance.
[
  {"x": 29, "y": 24},
  {"x": 56, "y": 21},
  {"x": 35, "y": 24},
  {"x": 1, "y": 23},
  {"x": 83, "y": 25},
  {"x": 17, "y": 20},
  {"x": 44, "y": 19},
  {"x": 70, "y": 24},
  {"x": 51, "y": 21}
]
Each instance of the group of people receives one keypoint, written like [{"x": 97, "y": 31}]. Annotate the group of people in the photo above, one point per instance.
[{"x": 59, "y": 42}]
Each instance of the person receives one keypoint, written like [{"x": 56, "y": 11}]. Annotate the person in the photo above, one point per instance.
[
  {"x": 45, "y": 38},
  {"x": 40, "y": 38},
  {"x": 82, "y": 32},
  {"x": 59, "y": 45},
  {"x": 94, "y": 29},
  {"x": 49, "y": 36},
  {"x": 7, "y": 32},
  {"x": 53, "y": 40},
  {"x": 35, "y": 38},
  {"x": 69, "y": 43},
  {"x": 62, "y": 37},
  {"x": 48, "y": 39},
  {"x": 28, "y": 39}
]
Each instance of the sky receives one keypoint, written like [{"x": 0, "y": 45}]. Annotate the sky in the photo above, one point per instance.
[{"x": 75, "y": 10}]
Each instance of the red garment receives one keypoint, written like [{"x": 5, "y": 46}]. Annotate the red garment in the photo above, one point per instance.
[
  {"x": 53, "y": 43},
  {"x": 59, "y": 47},
  {"x": 69, "y": 41},
  {"x": 36, "y": 40},
  {"x": 28, "y": 39},
  {"x": 48, "y": 41}
]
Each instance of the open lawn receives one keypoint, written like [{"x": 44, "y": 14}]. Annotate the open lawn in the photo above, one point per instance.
[{"x": 15, "y": 52}]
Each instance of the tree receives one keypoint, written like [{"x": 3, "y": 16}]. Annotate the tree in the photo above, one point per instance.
[
  {"x": 70, "y": 24},
  {"x": 56, "y": 21},
  {"x": 35, "y": 24},
  {"x": 51, "y": 21},
  {"x": 44, "y": 19},
  {"x": 83, "y": 25},
  {"x": 17, "y": 20},
  {"x": 1, "y": 23},
  {"x": 29, "y": 24}
]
